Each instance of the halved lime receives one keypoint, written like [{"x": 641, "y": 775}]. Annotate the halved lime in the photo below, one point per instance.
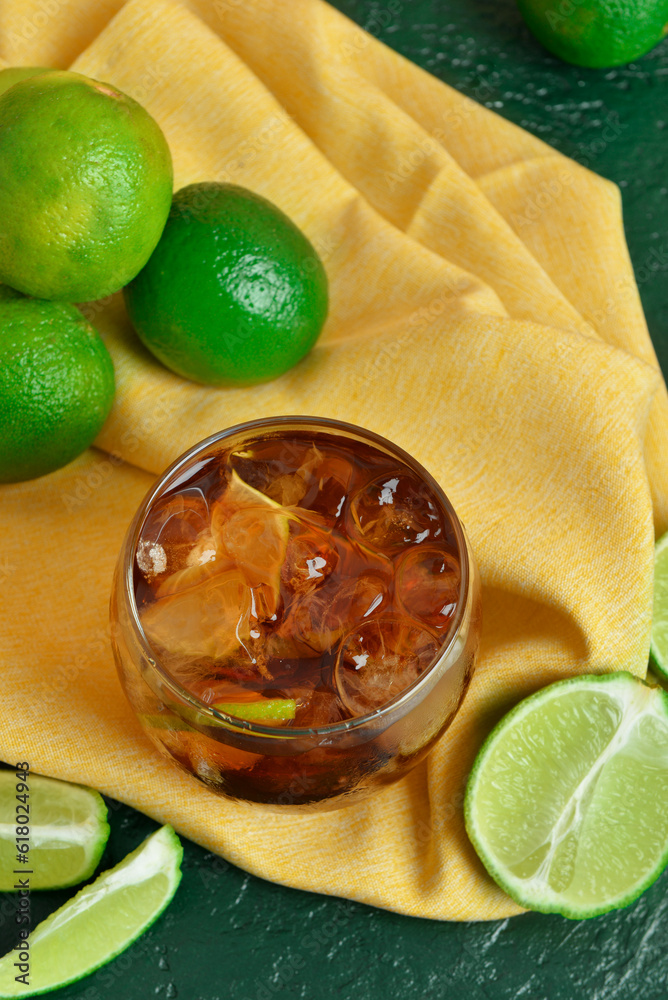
[
  {"x": 66, "y": 828},
  {"x": 567, "y": 802},
  {"x": 100, "y": 921},
  {"x": 658, "y": 647}
]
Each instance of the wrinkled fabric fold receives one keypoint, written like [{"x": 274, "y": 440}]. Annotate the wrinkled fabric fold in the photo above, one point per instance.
[{"x": 484, "y": 317}]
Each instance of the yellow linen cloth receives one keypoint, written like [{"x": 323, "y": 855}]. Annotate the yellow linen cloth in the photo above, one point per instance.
[{"x": 484, "y": 317}]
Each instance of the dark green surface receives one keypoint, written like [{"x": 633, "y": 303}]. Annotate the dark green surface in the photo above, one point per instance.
[{"x": 228, "y": 935}]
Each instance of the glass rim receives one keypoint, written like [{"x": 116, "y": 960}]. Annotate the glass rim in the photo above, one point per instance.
[{"x": 229, "y": 722}]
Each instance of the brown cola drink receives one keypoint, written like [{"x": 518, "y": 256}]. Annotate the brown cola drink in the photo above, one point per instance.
[{"x": 293, "y": 586}]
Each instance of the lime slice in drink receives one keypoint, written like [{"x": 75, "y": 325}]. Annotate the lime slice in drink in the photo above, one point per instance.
[
  {"x": 66, "y": 828},
  {"x": 264, "y": 710},
  {"x": 253, "y": 530},
  {"x": 567, "y": 802},
  {"x": 658, "y": 647},
  {"x": 100, "y": 921},
  {"x": 199, "y": 608}
]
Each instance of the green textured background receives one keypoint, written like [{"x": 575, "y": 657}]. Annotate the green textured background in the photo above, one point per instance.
[{"x": 229, "y": 935}]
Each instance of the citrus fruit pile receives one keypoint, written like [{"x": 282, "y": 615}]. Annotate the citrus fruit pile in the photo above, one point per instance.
[
  {"x": 67, "y": 832},
  {"x": 85, "y": 189},
  {"x": 221, "y": 285}
]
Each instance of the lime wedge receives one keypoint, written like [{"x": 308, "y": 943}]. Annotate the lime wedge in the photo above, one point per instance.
[
  {"x": 658, "y": 646},
  {"x": 265, "y": 710},
  {"x": 66, "y": 826},
  {"x": 567, "y": 802},
  {"x": 100, "y": 921}
]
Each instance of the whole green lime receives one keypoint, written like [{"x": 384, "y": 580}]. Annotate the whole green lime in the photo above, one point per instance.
[
  {"x": 597, "y": 33},
  {"x": 85, "y": 187},
  {"x": 56, "y": 386},
  {"x": 234, "y": 293},
  {"x": 8, "y": 77}
]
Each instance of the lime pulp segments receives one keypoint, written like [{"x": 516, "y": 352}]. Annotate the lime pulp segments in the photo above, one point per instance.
[
  {"x": 67, "y": 831},
  {"x": 101, "y": 920},
  {"x": 567, "y": 801},
  {"x": 659, "y": 640}
]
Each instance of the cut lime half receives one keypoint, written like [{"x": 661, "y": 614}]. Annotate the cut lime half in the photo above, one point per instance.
[
  {"x": 100, "y": 921},
  {"x": 66, "y": 828},
  {"x": 658, "y": 647},
  {"x": 567, "y": 802}
]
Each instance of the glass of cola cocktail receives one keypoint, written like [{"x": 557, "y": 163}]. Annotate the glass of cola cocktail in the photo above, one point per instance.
[{"x": 295, "y": 612}]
